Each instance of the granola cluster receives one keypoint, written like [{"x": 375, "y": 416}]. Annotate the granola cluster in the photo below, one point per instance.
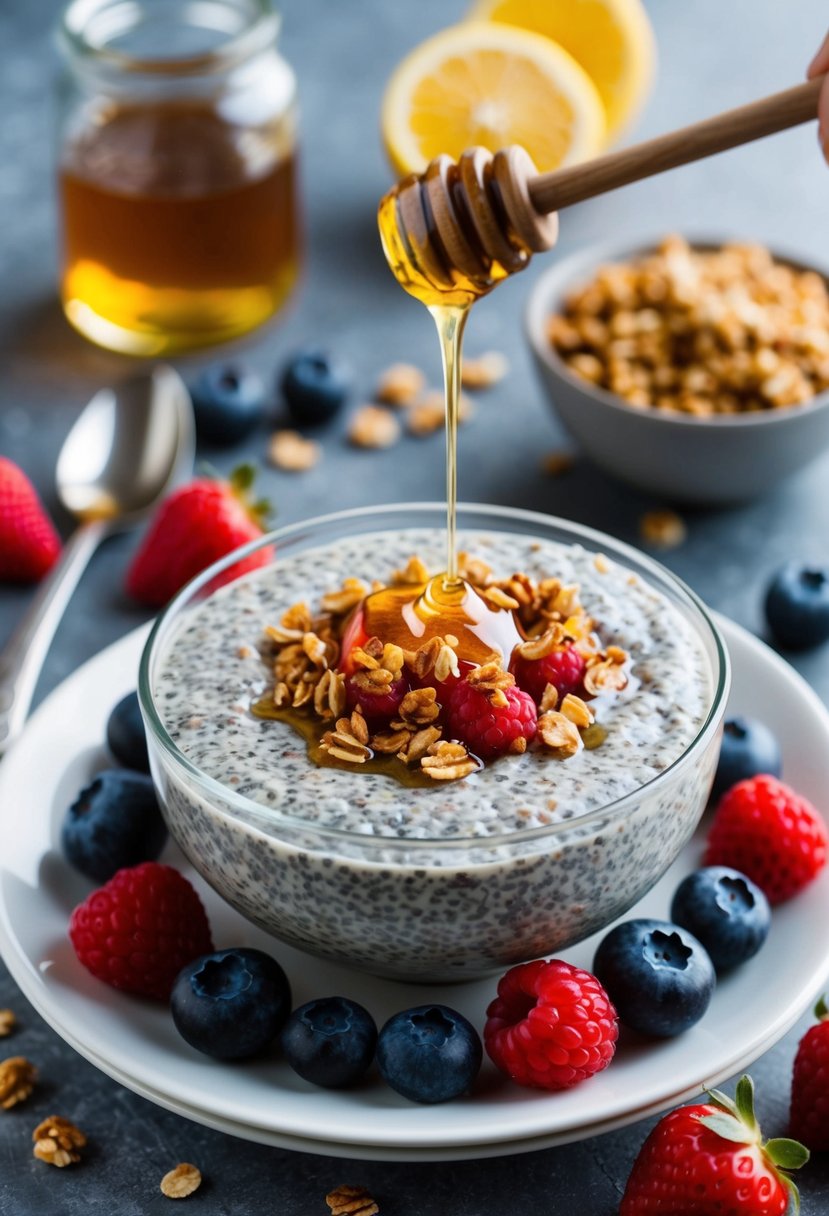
[
  {"x": 305, "y": 649},
  {"x": 700, "y": 332}
]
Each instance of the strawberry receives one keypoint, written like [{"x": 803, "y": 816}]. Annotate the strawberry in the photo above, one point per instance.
[
  {"x": 29, "y": 544},
  {"x": 762, "y": 828},
  {"x": 195, "y": 526},
  {"x": 809, "y": 1119},
  {"x": 710, "y": 1160}
]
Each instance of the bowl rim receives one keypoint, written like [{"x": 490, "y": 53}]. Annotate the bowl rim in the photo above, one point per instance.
[
  {"x": 557, "y": 278},
  {"x": 591, "y": 538}
]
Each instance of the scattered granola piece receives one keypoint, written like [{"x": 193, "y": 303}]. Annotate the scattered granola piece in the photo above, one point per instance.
[
  {"x": 418, "y": 744},
  {"x": 490, "y": 678},
  {"x": 400, "y": 385},
  {"x": 484, "y": 371},
  {"x": 549, "y": 698},
  {"x": 292, "y": 452},
  {"x": 579, "y": 713},
  {"x": 17, "y": 1080},
  {"x": 345, "y": 742},
  {"x": 556, "y": 464},
  {"x": 446, "y": 664},
  {"x": 419, "y": 707},
  {"x": 414, "y": 575},
  {"x": 373, "y": 427},
  {"x": 500, "y": 599},
  {"x": 472, "y": 569},
  {"x": 348, "y": 1200},
  {"x": 604, "y": 676},
  {"x": 662, "y": 529},
  {"x": 601, "y": 563},
  {"x": 348, "y": 597},
  {"x": 181, "y": 1181},
  {"x": 7, "y": 1022},
  {"x": 57, "y": 1141}
]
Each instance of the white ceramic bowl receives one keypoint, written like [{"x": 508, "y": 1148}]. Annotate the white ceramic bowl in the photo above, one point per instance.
[
  {"x": 454, "y": 907},
  {"x": 708, "y": 461}
]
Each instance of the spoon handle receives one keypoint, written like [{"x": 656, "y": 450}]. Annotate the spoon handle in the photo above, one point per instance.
[
  {"x": 22, "y": 658},
  {"x": 563, "y": 187}
]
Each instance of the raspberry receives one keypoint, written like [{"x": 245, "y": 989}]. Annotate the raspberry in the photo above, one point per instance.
[
  {"x": 379, "y": 706},
  {"x": 138, "y": 930},
  {"x": 551, "y": 1026},
  {"x": 490, "y": 730},
  {"x": 563, "y": 669},
  {"x": 762, "y": 828}
]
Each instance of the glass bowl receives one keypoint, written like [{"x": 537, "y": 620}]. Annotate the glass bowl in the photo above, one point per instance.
[{"x": 446, "y": 907}]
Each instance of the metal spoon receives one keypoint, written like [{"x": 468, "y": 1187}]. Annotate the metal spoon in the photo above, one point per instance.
[{"x": 124, "y": 452}]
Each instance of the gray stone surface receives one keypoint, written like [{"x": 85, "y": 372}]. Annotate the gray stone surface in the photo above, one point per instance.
[{"x": 712, "y": 55}]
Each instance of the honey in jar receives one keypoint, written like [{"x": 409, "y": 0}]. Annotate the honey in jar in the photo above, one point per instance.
[{"x": 177, "y": 173}]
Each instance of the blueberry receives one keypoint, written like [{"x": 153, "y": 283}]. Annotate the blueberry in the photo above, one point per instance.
[
  {"x": 330, "y": 1041},
  {"x": 725, "y": 911},
  {"x": 748, "y": 748},
  {"x": 797, "y": 606},
  {"x": 429, "y": 1054},
  {"x": 228, "y": 403},
  {"x": 126, "y": 738},
  {"x": 315, "y": 387},
  {"x": 658, "y": 976},
  {"x": 114, "y": 822},
  {"x": 231, "y": 1004}
]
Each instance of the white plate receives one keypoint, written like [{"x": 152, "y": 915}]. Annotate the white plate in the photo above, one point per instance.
[{"x": 136, "y": 1043}]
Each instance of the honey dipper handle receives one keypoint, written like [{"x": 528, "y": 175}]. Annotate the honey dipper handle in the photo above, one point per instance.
[{"x": 552, "y": 191}]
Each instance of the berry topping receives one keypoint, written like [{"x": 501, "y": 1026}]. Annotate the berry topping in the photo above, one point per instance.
[
  {"x": 658, "y": 975},
  {"x": 429, "y": 1054},
  {"x": 725, "y": 911},
  {"x": 231, "y": 1004},
  {"x": 797, "y": 606},
  {"x": 330, "y": 1042},
  {"x": 29, "y": 544},
  {"x": 551, "y": 1026},
  {"x": 315, "y": 387},
  {"x": 228, "y": 403},
  {"x": 765, "y": 830},
  {"x": 487, "y": 728},
  {"x": 710, "y": 1159},
  {"x": 379, "y": 703},
  {"x": 138, "y": 931},
  {"x": 563, "y": 668},
  {"x": 126, "y": 738},
  {"x": 748, "y": 748},
  {"x": 194, "y": 527},
  {"x": 114, "y": 822},
  {"x": 809, "y": 1120}
]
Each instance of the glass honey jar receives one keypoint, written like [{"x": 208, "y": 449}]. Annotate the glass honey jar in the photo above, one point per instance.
[{"x": 176, "y": 171}]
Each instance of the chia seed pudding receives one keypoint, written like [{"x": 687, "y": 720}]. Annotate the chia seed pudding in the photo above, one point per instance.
[{"x": 515, "y": 861}]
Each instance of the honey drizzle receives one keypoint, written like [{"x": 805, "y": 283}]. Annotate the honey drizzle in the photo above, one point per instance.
[{"x": 450, "y": 321}]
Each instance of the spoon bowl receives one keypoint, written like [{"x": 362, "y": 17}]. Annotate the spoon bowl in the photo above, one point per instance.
[{"x": 125, "y": 451}]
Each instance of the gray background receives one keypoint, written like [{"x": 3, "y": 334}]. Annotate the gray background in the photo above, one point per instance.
[{"x": 713, "y": 55}]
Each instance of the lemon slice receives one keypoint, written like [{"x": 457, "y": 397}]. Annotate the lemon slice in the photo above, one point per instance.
[
  {"x": 490, "y": 84},
  {"x": 611, "y": 39}
]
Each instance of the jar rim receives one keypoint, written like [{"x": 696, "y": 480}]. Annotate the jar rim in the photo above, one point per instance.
[{"x": 258, "y": 29}]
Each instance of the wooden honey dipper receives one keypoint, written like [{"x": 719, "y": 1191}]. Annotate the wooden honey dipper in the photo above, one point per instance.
[{"x": 463, "y": 226}]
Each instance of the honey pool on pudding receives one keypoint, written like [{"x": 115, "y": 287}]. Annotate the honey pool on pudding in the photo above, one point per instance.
[{"x": 215, "y": 669}]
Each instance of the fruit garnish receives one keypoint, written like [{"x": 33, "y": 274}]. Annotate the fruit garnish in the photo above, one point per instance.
[
  {"x": 490, "y": 84},
  {"x": 659, "y": 977},
  {"x": 29, "y": 544},
  {"x": 611, "y": 39},
  {"x": 231, "y": 1004},
  {"x": 330, "y": 1041},
  {"x": 137, "y": 931},
  {"x": 195, "y": 526},
  {"x": 429, "y": 1054},
  {"x": 551, "y": 1025},
  {"x": 809, "y": 1120},
  {"x": 314, "y": 387},
  {"x": 490, "y": 726},
  {"x": 114, "y": 822},
  {"x": 765, "y": 830},
  {"x": 725, "y": 911},
  {"x": 709, "y": 1159},
  {"x": 125, "y": 734},
  {"x": 748, "y": 748},
  {"x": 797, "y": 606},
  {"x": 228, "y": 403},
  {"x": 564, "y": 668}
]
